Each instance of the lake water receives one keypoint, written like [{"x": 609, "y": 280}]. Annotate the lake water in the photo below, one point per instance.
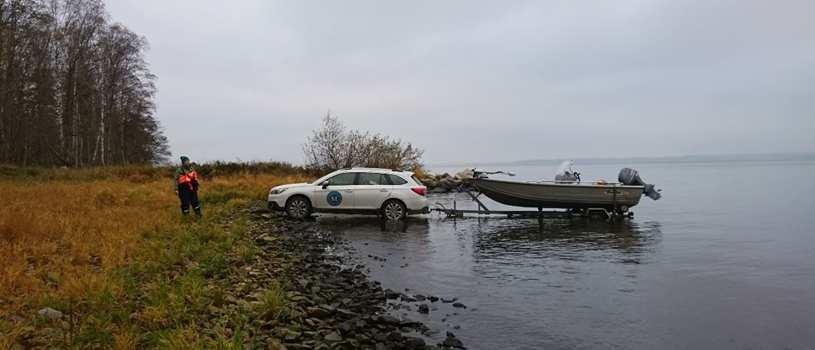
[{"x": 726, "y": 259}]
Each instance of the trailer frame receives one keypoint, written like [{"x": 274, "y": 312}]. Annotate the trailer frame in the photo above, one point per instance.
[{"x": 540, "y": 214}]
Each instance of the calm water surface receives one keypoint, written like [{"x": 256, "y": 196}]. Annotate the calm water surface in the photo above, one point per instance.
[{"x": 725, "y": 260}]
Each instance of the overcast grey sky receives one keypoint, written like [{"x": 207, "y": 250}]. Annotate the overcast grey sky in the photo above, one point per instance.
[{"x": 483, "y": 80}]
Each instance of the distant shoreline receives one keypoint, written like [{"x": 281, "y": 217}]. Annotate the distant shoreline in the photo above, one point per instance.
[{"x": 666, "y": 159}]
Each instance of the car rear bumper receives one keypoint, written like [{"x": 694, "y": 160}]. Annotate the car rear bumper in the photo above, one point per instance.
[{"x": 416, "y": 204}]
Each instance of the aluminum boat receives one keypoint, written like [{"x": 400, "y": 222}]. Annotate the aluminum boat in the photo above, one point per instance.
[
  {"x": 560, "y": 195},
  {"x": 567, "y": 191}
]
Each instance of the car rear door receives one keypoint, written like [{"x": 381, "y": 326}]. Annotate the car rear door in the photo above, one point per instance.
[
  {"x": 372, "y": 190},
  {"x": 336, "y": 193}
]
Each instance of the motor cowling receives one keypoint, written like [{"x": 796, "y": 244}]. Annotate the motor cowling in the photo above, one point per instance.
[{"x": 631, "y": 177}]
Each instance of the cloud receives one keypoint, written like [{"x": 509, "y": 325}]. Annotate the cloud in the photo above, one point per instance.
[{"x": 484, "y": 80}]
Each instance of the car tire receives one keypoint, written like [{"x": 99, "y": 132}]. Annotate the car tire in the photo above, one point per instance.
[
  {"x": 394, "y": 210},
  {"x": 298, "y": 207}
]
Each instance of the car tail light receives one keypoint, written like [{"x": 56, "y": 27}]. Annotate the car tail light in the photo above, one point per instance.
[{"x": 419, "y": 190}]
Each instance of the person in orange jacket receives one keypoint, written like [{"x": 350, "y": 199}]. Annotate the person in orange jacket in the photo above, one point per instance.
[{"x": 186, "y": 185}]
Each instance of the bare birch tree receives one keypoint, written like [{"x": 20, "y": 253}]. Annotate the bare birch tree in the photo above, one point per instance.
[{"x": 75, "y": 89}]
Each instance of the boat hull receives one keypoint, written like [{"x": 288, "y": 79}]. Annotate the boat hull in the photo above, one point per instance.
[{"x": 559, "y": 196}]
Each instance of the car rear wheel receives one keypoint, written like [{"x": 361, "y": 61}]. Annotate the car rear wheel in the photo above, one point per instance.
[
  {"x": 394, "y": 210},
  {"x": 298, "y": 207}
]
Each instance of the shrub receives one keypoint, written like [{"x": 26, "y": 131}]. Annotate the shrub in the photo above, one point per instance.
[{"x": 334, "y": 147}]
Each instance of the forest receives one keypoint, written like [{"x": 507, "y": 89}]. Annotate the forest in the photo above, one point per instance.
[{"x": 75, "y": 88}]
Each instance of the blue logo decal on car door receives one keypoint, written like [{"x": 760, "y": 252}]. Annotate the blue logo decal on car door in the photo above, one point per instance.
[{"x": 334, "y": 198}]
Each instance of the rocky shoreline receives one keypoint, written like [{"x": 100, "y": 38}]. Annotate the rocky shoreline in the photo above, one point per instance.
[
  {"x": 332, "y": 304},
  {"x": 445, "y": 183}
]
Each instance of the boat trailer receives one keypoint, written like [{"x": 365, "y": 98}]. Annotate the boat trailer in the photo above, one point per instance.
[{"x": 540, "y": 214}]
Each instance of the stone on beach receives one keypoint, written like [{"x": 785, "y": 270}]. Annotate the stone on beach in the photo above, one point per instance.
[
  {"x": 334, "y": 307},
  {"x": 50, "y": 313}
]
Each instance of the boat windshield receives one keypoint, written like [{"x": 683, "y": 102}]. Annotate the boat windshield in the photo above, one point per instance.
[{"x": 565, "y": 168}]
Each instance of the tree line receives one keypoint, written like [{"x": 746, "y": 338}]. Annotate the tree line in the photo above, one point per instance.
[{"x": 75, "y": 89}]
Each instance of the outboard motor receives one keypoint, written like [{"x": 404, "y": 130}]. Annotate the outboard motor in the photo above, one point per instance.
[{"x": 631, "y": 177}]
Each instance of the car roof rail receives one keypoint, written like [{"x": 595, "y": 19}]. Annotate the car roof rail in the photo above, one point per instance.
[{"x": 369, "y": 168}]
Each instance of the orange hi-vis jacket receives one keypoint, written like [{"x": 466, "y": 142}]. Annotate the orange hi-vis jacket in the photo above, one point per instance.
[{"x": 187, "y": 177}]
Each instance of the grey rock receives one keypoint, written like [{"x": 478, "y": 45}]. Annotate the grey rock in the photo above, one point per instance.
[
  {"x": 317, "y": 312},
  {"x": 391, "y": 294},
  {"x": 452, "y": 341},
  {"x": 50, "y": 313},
  {"x": 289, "y": 334},
  {"x": 395, "y": 336},
  {"x": 297, "y": 346},
  {"x": 389, "y": 319},
  {"x": 459, "y": 305},
  {"x": 414, "y": 343},
  {"x": 346, "y": 327},
  {"x": 407, "y": 298},
  {"x": 265, "y": 239},
  {"x": 333, "y": 337},
  {"x": 345, "y": 312},
  {"x": 381, "y": 337},
  {"x": 424, "y": 309}
]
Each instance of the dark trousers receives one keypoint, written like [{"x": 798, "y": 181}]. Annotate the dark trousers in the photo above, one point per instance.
[{"x": 189, "y": 197}]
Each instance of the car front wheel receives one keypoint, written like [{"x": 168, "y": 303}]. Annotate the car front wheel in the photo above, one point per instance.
[
  {"x": 394, "y": 210},
  {"x": 298, "y": 207}
]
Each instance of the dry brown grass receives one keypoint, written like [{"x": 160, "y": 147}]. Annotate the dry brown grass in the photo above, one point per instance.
[
  {"x": 59, "y": 234},
  {"x": 66, "y": 239}
]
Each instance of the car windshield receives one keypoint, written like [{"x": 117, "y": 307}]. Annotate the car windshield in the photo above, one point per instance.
[{"x": 324, "y": 179}]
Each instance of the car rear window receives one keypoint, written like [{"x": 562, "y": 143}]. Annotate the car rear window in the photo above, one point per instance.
[
  {"x": 416, "y": 179},
  {"x": 396, "y": 180},
  {"x": 372, "y": 179}
]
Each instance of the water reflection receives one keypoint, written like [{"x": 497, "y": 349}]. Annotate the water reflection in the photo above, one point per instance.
[
  {"x": 499, "y": 238},
  {"x": 626, "y": 241},
  {"x": 419, "y": 225},
  {"x": 509, "y": 272}
]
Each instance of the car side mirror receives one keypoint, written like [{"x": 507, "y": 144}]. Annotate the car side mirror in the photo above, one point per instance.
[{"x": 324, "y": 185}]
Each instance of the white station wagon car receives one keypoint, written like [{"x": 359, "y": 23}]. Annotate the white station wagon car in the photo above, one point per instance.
[{"x": 392, "y": 194}]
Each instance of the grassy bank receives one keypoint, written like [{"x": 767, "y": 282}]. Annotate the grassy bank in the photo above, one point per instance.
[{"x": 107, "y": 250}]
